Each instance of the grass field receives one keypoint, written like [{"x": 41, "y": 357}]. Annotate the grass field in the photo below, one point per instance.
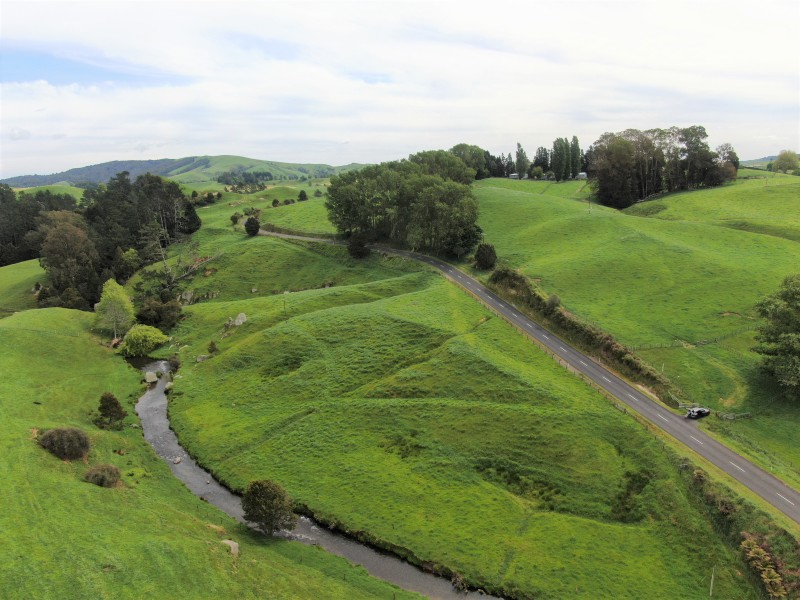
[
  {"x": 16, "y": 286},
  {"x": 769, "y": 206},
  {"x": 64, "y": 188},
  {"x": 685, "y": 275},
  {"x": 149, "y": 538},
  {"x": 392, "y": 404}
]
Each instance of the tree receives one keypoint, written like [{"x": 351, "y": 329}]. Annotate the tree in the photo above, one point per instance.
[
  {"x": 141, "y": 340},
  {"x": 268, "y": 506},
  {"x": 779, "y": 336},
  {"x": 786, "y": 162},
  {"x": 542, "y": 159},
  {"x": 252, "y": 226},
  {"x": 302, "y": 196},
  {"x": 115, "y": 310},
  {"x": 111, "y": 411},
  {"x": 70, "y": 257},
  {"x": 190, "y": 222},
  {"x": 726, "y": 154},
  {"x": 575, "y": 157},
  {"x": 521, "y": 163},
  {"x": 474, "y": 157},
  {"x": 485, "y": 256},
  {"x": 357, "y": 246},
  {"x": 613, "y": 171}
]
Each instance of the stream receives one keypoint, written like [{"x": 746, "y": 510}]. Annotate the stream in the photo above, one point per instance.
[{"x": 152, "y": 410}]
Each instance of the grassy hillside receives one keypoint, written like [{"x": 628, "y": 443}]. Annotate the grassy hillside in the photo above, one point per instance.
[
  {"x": 60, "y": 188},
  {"x": 393, "y": 405},
  {"x": 690, "y": 274},
  {"x": 148, "y": 538},
  {"x": 193, "y": 171},
  {"x": 767, "y": 205},
  {"x": 16, "y": 286}
]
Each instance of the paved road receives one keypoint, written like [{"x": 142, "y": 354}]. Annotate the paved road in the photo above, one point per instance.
[{"x": 761, "y": 482}]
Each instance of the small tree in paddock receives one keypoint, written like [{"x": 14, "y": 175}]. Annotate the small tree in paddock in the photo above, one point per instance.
[
  {"x": 268, "y": 506},
  {"x": 779, "y": 335},
  {"x": 485, "y": 256},
  {"x": 251, "y": 226},
  {"x": 275, "y": 203},
  {"x": 111, "y": 412},
  {"x": 302, "y": 196},
  {"x": 67, "y": 443}
]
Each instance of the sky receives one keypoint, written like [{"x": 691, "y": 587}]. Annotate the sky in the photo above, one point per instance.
[{"x": 338, "y": 82}]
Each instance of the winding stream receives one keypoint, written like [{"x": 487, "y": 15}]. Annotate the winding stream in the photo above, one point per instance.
[{"x": 152, "y": 410}]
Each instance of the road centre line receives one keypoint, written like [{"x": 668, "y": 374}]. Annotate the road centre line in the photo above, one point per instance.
[
  {"x": 606, "y": 378},
  {"x": 785, "y": 498},
  {"x": 632, "y": 397},
  {"x": 663, "y": 418},
  {"x": 696, "y": 440},
  {"x": 584, "y": 363},
  {"x": 737, "y": 466}
]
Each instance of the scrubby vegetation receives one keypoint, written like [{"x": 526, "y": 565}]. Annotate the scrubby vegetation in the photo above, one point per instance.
[
  {"x": 103, "y": 475},
  {"x": 141, "y": 340},
  {"x": 67, "y": 443}
]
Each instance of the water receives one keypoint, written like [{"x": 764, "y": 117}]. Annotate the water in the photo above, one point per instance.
[{"x": 152, "y": 410}]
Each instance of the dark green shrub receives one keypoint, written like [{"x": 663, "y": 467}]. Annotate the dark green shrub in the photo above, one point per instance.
[
  {"x": 268, "y": 506},
  {"x": 111, "y": 412},
  {"x": 67, "y": 443},
  {"x": 553, "y": 302},
  {"x": 251, "y": 226},
  {"x": 275, "y": 203},
  {"x": 485, "y": 256},
  {"x": 357, "y": 246},
  {"x": 302, "y": 196},
  {"x": 174, "y": 363},
  {"x": 103, "y": 475},
  {"x": 212, "y": 347},
  {"x": 142, "y": 339}
]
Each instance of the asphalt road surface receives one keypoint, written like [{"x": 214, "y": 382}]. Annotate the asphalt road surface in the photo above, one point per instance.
[{"x": 759, "y": 481}]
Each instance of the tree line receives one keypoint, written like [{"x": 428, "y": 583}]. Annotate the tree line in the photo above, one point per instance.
[
  {"x": 424, "y": 202},
  {"x": 114, "y": 230},
  {"x": 633, "y": 164},
  {"x": 564, "y": 160}
]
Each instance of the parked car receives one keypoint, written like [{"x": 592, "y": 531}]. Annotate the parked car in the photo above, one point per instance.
[{"x": 698, "y": 413}]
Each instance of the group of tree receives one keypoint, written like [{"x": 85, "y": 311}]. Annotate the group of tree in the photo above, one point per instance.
[
  {"x": 787, "y": 161},
  {"x": 19, "y": 217},
  {"x": 239, "y": 177},
  {"x": 633, "y": 165},
  {"x": 114, "y": 230},
  {"x": 422, "y": 202}
]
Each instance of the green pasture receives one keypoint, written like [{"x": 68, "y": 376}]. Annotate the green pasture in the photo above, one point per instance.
[
  {"x": 150, "y": 537},
  {"x": 16, "y": 286},
  {"x": 768, "y": 206},
  {"x": 667, "y": 285},
  {"x": 394, "y": 405},
  {"x": 64, "y": 188}
]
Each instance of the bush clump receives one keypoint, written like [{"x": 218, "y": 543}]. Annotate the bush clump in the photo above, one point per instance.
[
  {"x": 251, "y": 226},
  {"x": 67, "y": 443},
  {"x": 357, "y": 246},
  {"x": 103, "y": 475},
  {"x": 485, "y": 256},
  {"x": 142, "y": 339},
  {"x": 267, "y": 505}
]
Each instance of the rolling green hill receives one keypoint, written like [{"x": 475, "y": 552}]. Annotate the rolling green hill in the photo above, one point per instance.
[
  {"x": 58, "y": 188},
  {"x": 192, "y": 171},
  {"x": 148, "y": 538},
  {"x": 666, "y": 278},
  {"x": 393, "y": 405}
]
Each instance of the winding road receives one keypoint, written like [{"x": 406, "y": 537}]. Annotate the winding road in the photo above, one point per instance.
[{"x": 775, "y": 492}]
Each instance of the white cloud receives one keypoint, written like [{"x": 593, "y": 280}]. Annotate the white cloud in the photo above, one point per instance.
[{"x": 290, "y": 81}]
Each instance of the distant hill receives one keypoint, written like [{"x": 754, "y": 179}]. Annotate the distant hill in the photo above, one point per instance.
[
  {"x": 757, "y": 162},
  {"x": 189, "y": 170}
]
